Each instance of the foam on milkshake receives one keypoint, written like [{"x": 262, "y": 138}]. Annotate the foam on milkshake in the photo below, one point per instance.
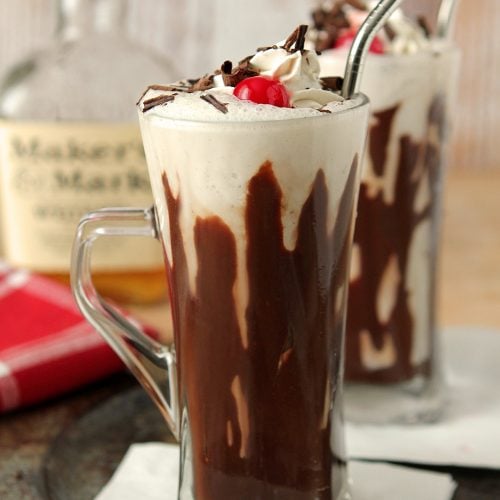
[{"x": 189, "y": 106}]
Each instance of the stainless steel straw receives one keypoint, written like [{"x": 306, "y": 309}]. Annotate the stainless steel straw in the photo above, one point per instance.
[
  {"x": 445, "y": 17},
  {"x": 374, "y": 21},
  {"x": 357, "y": 55}
]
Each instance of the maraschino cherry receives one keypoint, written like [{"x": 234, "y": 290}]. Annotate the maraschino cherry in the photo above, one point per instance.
[
  {"x": 263, "y": 90},
  {"x": 347, "y": 37}
]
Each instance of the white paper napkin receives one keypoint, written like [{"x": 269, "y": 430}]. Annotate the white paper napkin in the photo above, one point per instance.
[
  {"x": 373, "y": 481},
  {"x": 149, "y": 472},
  {"x": 469, "y": 433}
]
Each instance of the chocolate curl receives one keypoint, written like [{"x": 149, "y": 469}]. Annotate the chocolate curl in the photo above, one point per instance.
[
  {"x": 227, "y": 67},
  {"x": 157, "y": 101},
  {"x": 163, "y": 88},
  {"x": 296, "y": 39},
  {"x": 332, "y": 83},
  {"x": 301, "y": 37},
  {"x": 422, "y": 22},
  {"x": 204, "y": 83},
  {"x": 232, "y": 76},
  {"x": 391, "y": 34},
  {"x": 214, "y": 102}
]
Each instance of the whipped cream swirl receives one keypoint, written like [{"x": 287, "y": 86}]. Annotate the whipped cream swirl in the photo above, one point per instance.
[{"x": 299, "y": 72}]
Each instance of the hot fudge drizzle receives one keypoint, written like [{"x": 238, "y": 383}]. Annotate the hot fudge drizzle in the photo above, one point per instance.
[
  {"x": 384, "y": 233},
  {"x": 261, "y": 414}
]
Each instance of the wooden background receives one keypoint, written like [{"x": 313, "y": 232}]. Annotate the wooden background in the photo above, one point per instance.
[
  {"x": 477, "y": 121},
  {"x": 168, "y": 26}
]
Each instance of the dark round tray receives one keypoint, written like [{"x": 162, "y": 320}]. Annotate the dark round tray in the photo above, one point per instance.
[{"x": 85, "y": 455}]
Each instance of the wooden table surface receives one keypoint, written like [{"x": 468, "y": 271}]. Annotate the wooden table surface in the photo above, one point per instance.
[
  {"x": 469, "y": 295},
  {"x": 470, "y": 263}
]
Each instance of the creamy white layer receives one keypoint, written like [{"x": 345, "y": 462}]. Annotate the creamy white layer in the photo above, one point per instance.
[
  {"x": 189, "y": 106},
  {"x": 210, "y": 163},
  {"x": 411, "y": 82}
]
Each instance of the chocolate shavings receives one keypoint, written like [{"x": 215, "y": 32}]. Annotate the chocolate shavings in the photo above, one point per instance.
[
  {"x": 227, "y": 67},
  {"x": 164, "y": 88},
  {"x": 237, "y": 75},
  {"x": 204, "y": 83},
  {"x": 422, "y": 22},
  {"x": 389, "y": 31},
  {"x": 334, "y": 83},
  {"x": 296, "y": 39},
  {"x": 157, "y": 101},
  {"x": 214, "y": 102},
  {"x": 301, "y": 37}
]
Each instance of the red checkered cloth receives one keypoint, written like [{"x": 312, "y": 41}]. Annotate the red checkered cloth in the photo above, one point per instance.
[{"x": 46, "y": 346}]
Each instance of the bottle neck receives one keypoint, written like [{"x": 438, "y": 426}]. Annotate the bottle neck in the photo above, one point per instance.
[{"x": 81, "y": 17}]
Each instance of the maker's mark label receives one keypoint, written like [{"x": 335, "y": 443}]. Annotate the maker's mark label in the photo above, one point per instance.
[{"x": 51, "y": 174}]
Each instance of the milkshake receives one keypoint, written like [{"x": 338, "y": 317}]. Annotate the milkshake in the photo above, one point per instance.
[
  {"x": 392, "y": 357},
  {"x": 255, "y": 173}
]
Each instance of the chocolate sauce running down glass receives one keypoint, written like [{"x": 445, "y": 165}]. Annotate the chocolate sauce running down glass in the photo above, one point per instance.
[
  {"x": 259, "y": 413},
  {"x": 383, "y": 236},
  {"x": 392, "y": 356},
  {"x": 256, "y": 220}
]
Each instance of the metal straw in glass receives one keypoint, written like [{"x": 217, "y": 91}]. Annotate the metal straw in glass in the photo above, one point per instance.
[
  {"x": 374, "y": 21},
  {"x": 359, "y": 49}
]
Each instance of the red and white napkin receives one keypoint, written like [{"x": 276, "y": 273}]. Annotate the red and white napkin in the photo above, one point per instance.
[{"x": 46, "y": 346}]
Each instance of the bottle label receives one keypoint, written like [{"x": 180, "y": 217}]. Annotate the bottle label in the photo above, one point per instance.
[{"x": 51, "y": 174}]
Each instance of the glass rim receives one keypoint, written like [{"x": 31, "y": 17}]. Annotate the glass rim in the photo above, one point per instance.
[{"x": 361, "y": 98}]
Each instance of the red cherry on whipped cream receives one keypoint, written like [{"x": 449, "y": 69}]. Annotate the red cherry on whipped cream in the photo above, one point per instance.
[
  {"x": 347, "y": 37},
  {"x": 263, "y": 90}
]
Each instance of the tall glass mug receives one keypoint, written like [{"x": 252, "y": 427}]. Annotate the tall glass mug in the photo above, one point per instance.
[
  {"x": 393, "y": 370},
  {"x": 256, "y": 222}
]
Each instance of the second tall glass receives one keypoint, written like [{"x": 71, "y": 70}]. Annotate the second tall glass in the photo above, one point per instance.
[{"x": 393, "y": 369}]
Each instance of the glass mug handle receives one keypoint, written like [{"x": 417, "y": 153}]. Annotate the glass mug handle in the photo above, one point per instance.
[{"x": 153, "y": 364}]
